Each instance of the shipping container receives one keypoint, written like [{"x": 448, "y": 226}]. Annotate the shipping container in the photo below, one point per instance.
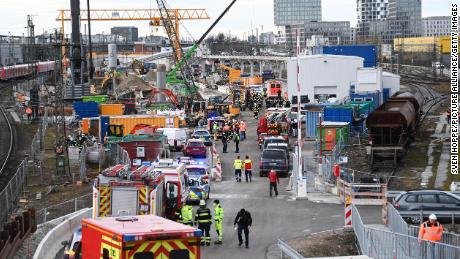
[
  {"x": 374, "y": 97},
  {"x": 111, "y": 109},
  {"x": 311, "y": 122},
  {"x": 130, "y": 121},
  {"x": 339, "y": 113},
  {"x": 386, "y": 94},
  {"x": 391, "y": 81},
  {"x": 332, "y": 133},
  {"x": 323, "y": 76},
  {"x": 86, "y": 109},
  {"x": 368, "y": 52},
  {"x": 95, "y": 98},
  {"x": 369, "y": 79},
  {"x": 104, "y": 123}
]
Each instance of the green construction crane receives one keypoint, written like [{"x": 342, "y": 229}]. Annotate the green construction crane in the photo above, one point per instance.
[{"x": 182, "y": 66}]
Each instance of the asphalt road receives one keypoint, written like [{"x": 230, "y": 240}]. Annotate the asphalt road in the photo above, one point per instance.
[{"x": 273, "y": 218}]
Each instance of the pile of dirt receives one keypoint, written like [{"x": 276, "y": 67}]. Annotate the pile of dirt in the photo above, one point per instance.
[
  {"x": 132, "y": 83},
  {"x": 336, "y": 242}
]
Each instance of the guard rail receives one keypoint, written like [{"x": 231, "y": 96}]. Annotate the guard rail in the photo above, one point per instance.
[
  {"x": 362, "y": 194},
  {"x": 287, "y": 251}
]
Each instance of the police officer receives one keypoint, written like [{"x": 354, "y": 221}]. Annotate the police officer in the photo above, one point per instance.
[
  {"x": 238, "y": 165},
  {"x": 218, "y": 218},
  {"x": 204, "y": 219},
  {"x": 187, "y": 214},
  {"x": 224, "y": 142}
]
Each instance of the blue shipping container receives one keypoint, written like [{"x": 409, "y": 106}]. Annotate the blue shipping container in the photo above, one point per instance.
[
  {"x": 368, "y": 52},
  {"x": 386, "y": 94},
  {"x": 104, "y": 123},
  {"x": 86, "y": 109},
  {"x": 338, "y": 114},
  {"x": 311, "y": 122}
]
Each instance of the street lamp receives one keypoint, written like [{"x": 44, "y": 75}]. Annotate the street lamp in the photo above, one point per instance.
[{"x": 320, "y": 134}]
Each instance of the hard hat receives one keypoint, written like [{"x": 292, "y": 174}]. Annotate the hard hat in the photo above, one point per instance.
[
  {"x": 202, "y": 203},
  {"x": 433, "y": 217}
]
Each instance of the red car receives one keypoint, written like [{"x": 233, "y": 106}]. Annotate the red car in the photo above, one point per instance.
[{"x": 195, "y": 148}]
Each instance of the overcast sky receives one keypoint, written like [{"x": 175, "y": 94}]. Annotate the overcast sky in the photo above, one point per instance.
[{"x": 237, "y": 21}]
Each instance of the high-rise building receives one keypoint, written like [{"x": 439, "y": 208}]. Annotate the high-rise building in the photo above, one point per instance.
[
  {"x": 293, "y": 12},
  {"x": 371, "y": 10},
  {"x": 436, "y": 26},
  {"x": 337, "y": 32},
  {"x": 130, "y": 33},
  {"x": 404, "y": 18},
  {"x": 267, "y": 38}
]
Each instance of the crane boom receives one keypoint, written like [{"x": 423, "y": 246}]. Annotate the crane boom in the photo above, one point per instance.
[{"x": 171, "y": 77}]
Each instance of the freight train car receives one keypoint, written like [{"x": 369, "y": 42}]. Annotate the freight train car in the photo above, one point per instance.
[{"x": 391, "y": 127}]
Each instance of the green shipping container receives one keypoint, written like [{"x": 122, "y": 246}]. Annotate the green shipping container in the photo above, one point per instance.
[
  {"x": 332, "y": 133},
  {"x": 96, "y": 98}
]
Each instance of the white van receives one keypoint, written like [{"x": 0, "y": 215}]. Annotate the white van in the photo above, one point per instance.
[{"x": 177, "y": 137}]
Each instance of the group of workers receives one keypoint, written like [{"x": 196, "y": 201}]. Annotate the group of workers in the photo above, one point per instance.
[
  {"x": 203, "y": 218},
  {"x": 239, "y": 165},
  {"x": 232, "y": 130}
]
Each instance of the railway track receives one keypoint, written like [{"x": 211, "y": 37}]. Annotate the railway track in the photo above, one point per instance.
[{"x": 6, "y": 136}]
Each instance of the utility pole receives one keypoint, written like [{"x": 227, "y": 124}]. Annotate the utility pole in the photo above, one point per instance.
[
  {"x": 91, "y": 69},
  {"x": 75, "y": 49}
]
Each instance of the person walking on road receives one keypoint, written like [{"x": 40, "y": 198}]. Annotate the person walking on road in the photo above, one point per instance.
[
  {"x": 274, "y": 181},
  {"x": 243, "y": 127},
  {"x": 244, "y": 221},
  {"x": 238, "y": 165},
  {"x": 218, "y": 219},
  {"x": 248, "y": 169},
  {"x": 204, "y": 219},
  {"x": 224, "y": 142},
  {"x": 430, "y": 231},
  {"x": 236, "y": 138}
]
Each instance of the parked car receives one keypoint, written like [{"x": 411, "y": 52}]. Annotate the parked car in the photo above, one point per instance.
[
  {"x": 199, "y": 188},
  {"x": 195, "y": 148},
  {"x": 274, "y": 159},
  {"x": 204, "y": 135},
  {"x": 177, "y": 137},
  {"x": 272, "y": 139},
  {"x": 72, "y": 248},
  {"x": 441, "y": 203}
]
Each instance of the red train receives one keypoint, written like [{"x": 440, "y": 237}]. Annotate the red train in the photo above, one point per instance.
[
  {"x": 392, "y": 125},
  {"x": 22, "y": 70}
]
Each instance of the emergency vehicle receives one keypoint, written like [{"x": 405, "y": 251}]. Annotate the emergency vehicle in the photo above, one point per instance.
[
  {"x": 273, "y": 87},
  {"x": 146, "y": 237},
  {"x": 176, "y": 184},
  {"x": 113, "y": 196}
]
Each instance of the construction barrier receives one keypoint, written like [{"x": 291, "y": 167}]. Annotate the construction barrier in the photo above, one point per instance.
[
  {"x": 348, "y": 213},
  {"x": 218, "y": 171},
  {"x": 362, "y": 193}
]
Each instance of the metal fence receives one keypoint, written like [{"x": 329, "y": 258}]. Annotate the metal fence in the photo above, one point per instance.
[
  {"x": 397, "y": 224},
  {"x": 64, "y": 208},
  {"x": 37, "y": 147},
  {"x": 287, "y": 251},
  {"x": 383, "y": 244},
  {"x": 9, "y": 197},
  {"x": 116, "y": 155}
]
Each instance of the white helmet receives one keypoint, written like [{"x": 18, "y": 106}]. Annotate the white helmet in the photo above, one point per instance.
[
  {"x": 433, "y": 217},
  {"x": 202, "y": 203}
]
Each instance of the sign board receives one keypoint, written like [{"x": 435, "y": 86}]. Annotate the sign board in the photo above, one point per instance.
[
  {"x": 343, "y": 159},
  {"x": 140, "y": 152},
  {"x": 169, "y": 122},
  {"x": 348, "y": 200},
  {"x": 137, "y": 162}
]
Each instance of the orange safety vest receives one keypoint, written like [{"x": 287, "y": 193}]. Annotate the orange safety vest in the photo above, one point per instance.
[
  {"x": 430, "y": 233},
  {"x": 29, "y": 111}
]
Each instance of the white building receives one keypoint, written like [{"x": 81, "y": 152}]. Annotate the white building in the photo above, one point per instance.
[
  {"x": 323, "y": 76},
  {"x": 371, "y": 10},
  {"x": 436, "y": 26}
]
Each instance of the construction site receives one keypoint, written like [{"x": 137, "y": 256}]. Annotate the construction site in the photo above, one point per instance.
[{"x": 163, "y": 145}]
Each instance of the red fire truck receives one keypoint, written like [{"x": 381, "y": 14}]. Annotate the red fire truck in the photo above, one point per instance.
[{"x": 132, "y": 237}]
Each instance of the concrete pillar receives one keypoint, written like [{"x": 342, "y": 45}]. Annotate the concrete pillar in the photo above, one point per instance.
[
  {"x": 203, "y": 68},
  {"x": 252, "y": 68},
  {"x": 213, "y": 67},
  {"x": 161, "y": 82},
  {"x": 261, "y": 67},
  {"x": 242, "y": 67}
]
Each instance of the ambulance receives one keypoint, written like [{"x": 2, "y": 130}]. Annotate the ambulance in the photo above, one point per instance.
[
  {"x": 114, "y": 195},
  {"x": 132, "y": 237}
]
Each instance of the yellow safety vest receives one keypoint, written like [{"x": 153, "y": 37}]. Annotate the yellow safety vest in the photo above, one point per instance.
[{"x": 238, "y": 164}]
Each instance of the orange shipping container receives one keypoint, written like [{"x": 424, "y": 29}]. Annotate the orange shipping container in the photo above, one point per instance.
[
  {"x": 111, "y": 109},
  {"x": 129, "y": 122}
]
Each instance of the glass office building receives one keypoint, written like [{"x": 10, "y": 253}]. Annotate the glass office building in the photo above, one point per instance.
[{"x": 293, "y": 12}]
